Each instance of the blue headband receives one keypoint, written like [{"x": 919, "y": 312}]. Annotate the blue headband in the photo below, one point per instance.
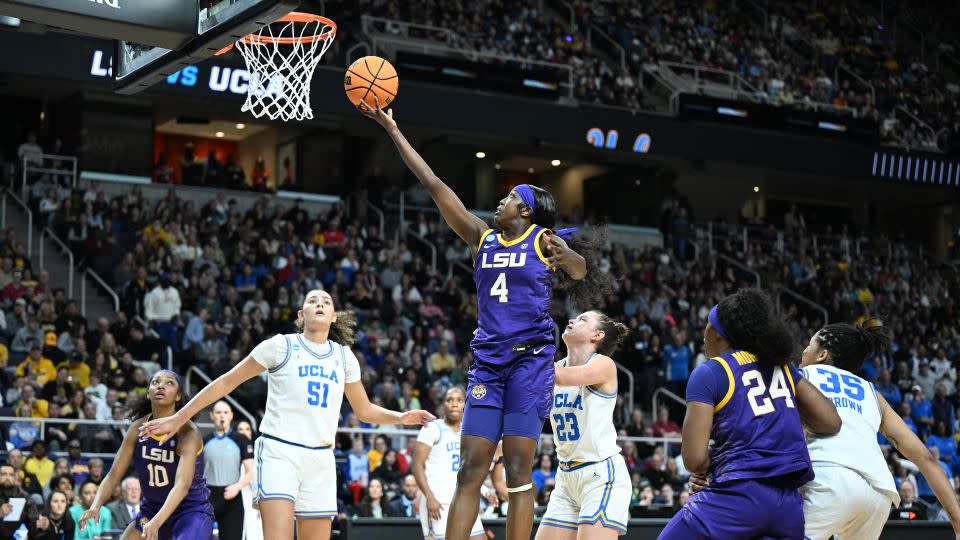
[
  {"x": 526, "y": 195},
  {"x": 714, "y": 319},
  {"x": 175, "y": 376}
]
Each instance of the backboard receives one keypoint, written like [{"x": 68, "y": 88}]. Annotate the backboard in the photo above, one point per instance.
[{"x": 154, "y": 38}]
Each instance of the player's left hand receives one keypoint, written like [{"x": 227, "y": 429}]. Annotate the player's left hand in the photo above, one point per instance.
[
  {"x": 557, "y": 251},
  {"x": 416, "y": 418},
  {"x": 492, "y": 498},
  {"x": 150, "y": 530},
  {"x": 698, "y": 482},
  {"x": 230, "y": 492}
]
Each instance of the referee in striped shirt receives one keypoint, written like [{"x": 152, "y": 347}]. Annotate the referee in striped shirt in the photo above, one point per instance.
[{"x": 224, "y": 451}]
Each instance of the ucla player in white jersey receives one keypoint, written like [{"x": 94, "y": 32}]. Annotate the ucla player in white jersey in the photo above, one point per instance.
[
  {"x": 436, "y": 462},
  {"x": 853, "y": 490},
  {"x": 309, "y": 373},
  {"x": 592, "y": 496}
]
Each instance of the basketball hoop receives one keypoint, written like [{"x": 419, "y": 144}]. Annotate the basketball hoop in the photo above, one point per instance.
[{"x": 281, "y": 58}]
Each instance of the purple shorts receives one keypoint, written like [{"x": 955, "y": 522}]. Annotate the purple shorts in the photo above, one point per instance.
[
  {"x": 746, "y": 509},
  {"x": 194, "y": 522},
  {"x": 510, "y": 399}
]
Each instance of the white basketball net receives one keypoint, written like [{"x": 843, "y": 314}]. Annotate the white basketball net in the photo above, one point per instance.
[{"x": 281, "y": 71}]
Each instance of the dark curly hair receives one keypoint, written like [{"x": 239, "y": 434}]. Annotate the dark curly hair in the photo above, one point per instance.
[
  {"x": 751, "y": 324},
  {"x": 849, "y": 345},
  {"x": 590, "y": 291},
  {"x": 342, "y": 330}
]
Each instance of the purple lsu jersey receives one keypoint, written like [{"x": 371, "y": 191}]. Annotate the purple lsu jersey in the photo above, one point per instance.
[
  {"x": 156, "y": 466},
  {"x": 756, "y": 430},
  {"x": 514, "y": 286}
]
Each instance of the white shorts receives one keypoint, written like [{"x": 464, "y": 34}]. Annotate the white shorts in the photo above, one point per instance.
[
  {"x": 840, "y": 501},
  {"x": 288, "y": 472},
  {"x": 593, "y": 493},
  {"x": 437, "y": 529}
]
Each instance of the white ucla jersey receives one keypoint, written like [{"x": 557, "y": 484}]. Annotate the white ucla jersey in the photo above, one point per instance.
[
  {"x": 305, "y": 382},
  {"x": 582, "y": 421},
  {"x": 855, "y": 446},
  {"x": 443, "y": 463}
]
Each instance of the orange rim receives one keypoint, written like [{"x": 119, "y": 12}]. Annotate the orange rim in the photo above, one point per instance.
[{"x": 293, "y": 16}]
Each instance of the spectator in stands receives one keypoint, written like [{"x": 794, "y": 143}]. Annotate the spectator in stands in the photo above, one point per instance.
[
  {"x": 373, "y": 504},
  {"x": 38, "y": 407},
  {"x": 15, "y": 319},
  {"x": 388, "y": 471},
  {"x": 79, "y": 466},
  {"x": 61, "y": 387},
  {"x": 664, "y": 426},
  {"x": 27, "y": 337},
  {"x": 14, "y": 290},
  {"x": 546, "y": 472},
  {"x": 233, "y": 175},
  {"x": 92, "y": 529},
  {"x": 676, "y": 363},
  {"x": 124, "y": 510},
  {"x": 260, "y": 177},
  {"x": 9, "y": 490},
  {"x": 442, "y": 362},
  {"x": 38, "y": 463},
  {"x": 943, "y": 409},
  {"x": 889, "y": 390},
  {"x": 55, "y": 522},
  {"x": 25, "y": 479},
  {"x": 162, "y": 308},
  {"x": 921, "y": 410},
  {"x": 408, "y": 503},
  {"x": 946, "y": 445}
]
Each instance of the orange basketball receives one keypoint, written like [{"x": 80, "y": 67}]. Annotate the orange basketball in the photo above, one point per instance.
[{"x": 368, "y": 77}]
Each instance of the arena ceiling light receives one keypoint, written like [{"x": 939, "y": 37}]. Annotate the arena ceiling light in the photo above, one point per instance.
[
  {"x": 219, "y": 134},
  {"x": 530, "y": 170},
  {"x": 241, "y": 126},
  {"x": 555, "y": 163},
  {"x": 756, "y": 189},
  {"x": 481, "y": 155}
]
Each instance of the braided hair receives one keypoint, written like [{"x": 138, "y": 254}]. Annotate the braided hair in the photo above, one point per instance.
[{"x": 849, "y": 345}]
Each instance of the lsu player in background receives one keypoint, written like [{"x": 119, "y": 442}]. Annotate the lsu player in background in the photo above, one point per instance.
[
  {"x": 591, "y": 500},
  {"x": 853, "y": 488},
  {"x": 436, "y": 462},
  {"x": 176, "y": 500},
  {"x": 308, "y": 374},
  {"x": 510, "y": 383},
  {"x": 749, "y": 401}
]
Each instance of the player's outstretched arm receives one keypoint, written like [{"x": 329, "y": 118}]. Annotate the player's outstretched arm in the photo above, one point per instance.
[
  {"x": 599, "y": 371},
  {"x": 375, "y": 414},
  {"x": 190, "y": 444},
  {"x": 110, "y": 482},
  {"x": 467, "y": 226},
  {"x": 696, "y": 437},
  {"x": 908, "y": 444},
  {"x": 223, "y": 385},
  {"x": 817, "y": 412}
]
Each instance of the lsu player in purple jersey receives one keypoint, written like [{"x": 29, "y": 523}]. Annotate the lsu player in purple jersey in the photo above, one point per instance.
[
  {"x": 176, "y": 503},
  {"x": 749, "y": 400},
  {"x": 510, "y": 384}
]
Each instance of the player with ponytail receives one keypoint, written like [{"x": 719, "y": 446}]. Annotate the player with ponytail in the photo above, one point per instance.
[
  {"x": 592, "y": 497},
  {"x": 853, "y": 490}
]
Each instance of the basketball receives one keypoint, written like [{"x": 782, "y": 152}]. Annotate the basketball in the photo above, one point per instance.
[{"x": 368, "y": 77}]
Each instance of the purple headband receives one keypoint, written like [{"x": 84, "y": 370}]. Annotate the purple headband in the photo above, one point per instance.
[
  {"x": 526, "y": 195},
  {"x": 714, "y": 319},
  {"x": 175, "y": 376}
]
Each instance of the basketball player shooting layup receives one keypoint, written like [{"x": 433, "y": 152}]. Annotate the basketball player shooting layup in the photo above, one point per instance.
[{"x": 510, "y": 384}]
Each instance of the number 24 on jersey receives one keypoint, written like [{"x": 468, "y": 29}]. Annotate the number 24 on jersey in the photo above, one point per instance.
[{"x": 760, "y": 400}]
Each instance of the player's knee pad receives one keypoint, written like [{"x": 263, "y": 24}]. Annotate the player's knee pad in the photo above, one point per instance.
[{"x": 519, "y": 489}]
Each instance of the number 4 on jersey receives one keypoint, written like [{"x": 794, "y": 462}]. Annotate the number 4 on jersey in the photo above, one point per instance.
[{"x": 500, "y": 287}]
